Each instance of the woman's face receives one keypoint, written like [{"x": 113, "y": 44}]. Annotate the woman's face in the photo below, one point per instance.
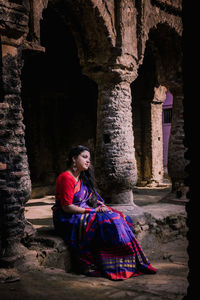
[{"x": 83, "y": 161}]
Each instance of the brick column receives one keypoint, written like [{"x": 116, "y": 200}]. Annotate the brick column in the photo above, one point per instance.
[
  {"x": 115, "y": 154},
  {"x": 176, "y": 148},
  {"x": 15, "y": 184}
]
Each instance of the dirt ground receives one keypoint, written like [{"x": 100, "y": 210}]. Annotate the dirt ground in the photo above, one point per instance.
[
  {"x": 50, "y": 283},
  {"x": 170, "y": 282}
]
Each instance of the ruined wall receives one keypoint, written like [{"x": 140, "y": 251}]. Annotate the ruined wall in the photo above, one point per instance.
[
  {"x": 111, "y": 38},
  {"x": 116, "y": 44}
]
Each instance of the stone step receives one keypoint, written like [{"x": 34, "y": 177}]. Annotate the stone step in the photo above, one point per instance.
[
  {"x": 50, "y": 250},
  {"x": 154, "y": 225}
]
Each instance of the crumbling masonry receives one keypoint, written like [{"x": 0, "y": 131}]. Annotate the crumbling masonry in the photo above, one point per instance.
[{"x": 86, "y": 72}]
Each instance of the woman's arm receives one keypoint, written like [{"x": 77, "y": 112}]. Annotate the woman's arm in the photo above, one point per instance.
[{"x": 73, "y": 209}]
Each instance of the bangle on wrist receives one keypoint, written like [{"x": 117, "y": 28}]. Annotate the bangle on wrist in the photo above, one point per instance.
[{"x": 87, "y": 210}]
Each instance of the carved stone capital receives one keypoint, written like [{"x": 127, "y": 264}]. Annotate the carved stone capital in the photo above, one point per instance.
[
  {"x": 113, "y": 74},
  {"x": 159, "y": 94}
]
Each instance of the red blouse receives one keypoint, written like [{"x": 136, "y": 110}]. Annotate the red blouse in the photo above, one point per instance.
[{"x": 66, "y": 187}]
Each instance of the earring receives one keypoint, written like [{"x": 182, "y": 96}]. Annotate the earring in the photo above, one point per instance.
[{"x": 74, "y": 168}]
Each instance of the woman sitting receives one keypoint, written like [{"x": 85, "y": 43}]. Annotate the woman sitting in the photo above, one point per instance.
[{"x": 101, "y": 239}]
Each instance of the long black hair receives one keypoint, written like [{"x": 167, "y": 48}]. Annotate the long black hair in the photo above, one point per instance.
[{"x": 88, "y": 175}]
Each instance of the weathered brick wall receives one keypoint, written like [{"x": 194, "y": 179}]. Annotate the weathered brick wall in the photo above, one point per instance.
[
  {"x": 15, "y": 185},
  {"x": 176, "y": 160}
]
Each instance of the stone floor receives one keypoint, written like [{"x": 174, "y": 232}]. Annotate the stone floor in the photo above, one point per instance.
[
  {"x": 169, "y": 283},
  {"x": 169, "y": 256}
]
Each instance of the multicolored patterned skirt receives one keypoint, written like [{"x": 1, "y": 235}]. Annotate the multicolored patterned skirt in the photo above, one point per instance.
[{"x": 103, "y": 244}]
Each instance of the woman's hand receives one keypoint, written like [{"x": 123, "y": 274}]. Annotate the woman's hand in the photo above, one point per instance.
[{"x": 102, "y": 208}]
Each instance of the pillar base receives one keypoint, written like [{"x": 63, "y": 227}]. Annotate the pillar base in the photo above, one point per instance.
[
  {"x": 12, "y": 253},
  {"x": 124, "y": 203},
  {"x": 124, "y": 197}
]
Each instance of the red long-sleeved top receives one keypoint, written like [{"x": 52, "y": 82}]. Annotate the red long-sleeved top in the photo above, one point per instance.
[{"x": 66, "y": 187}]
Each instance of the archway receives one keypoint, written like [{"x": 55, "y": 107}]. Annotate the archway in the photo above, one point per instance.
[
  {"x": 59, "y": 103},
  {"x": 168, "y": 55},
  {"x": 162, "y": 67},
  {"x": 142, "y": 94}
]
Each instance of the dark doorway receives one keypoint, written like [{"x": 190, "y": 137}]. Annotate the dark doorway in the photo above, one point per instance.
[{"x": 59, "y": 103}]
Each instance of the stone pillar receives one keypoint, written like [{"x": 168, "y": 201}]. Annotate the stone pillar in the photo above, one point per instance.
[
  {"x": 152, "y": 138},
  {"x": 15, "y": 184},
  {"x": 115, "y": 163},
  {"x": 146, "y": 156},
  {"x": 176, "y": 148},
  {"x": 157, "y": 135}
]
